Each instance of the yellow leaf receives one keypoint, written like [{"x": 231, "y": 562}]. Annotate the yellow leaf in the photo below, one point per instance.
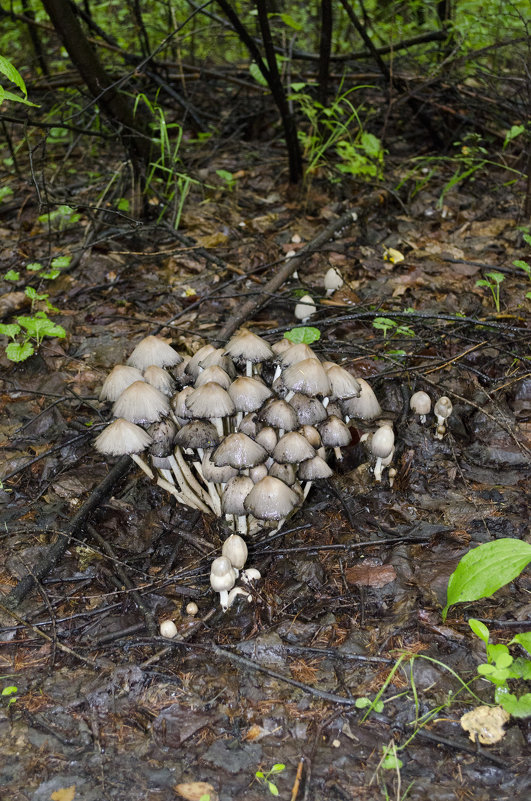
[
  {"x": 64, "y": 794},
  {"x": 193, "y": 791},
  {"x": 392, "y": 255}
]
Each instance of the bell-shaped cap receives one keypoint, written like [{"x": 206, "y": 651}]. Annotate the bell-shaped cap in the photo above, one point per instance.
[
  {"x": 308, "y": 377},
  {"x": 279, "y": 414},
  {"x": 248, "y": 394},
  {"x": 246, "y": 346},
  {"x": 342, "y": 383},
  {"x": 271, "y": 499},
  {"x": 382, "y": 442},
  {"x": 239, "y": 451},
  {"x": 141, "y": 403},
  {"x": 197, "y": 434},
  {"x": 234, "y": 494},
  {"x": 159, "y": 378},
  {"x": 315, "y": 468},
  {"x": 122, "y": 437},
  {"x": 310, "y": 411},
  {"x": 153, "y": 350},
  {"x": 293, "y": 448},
  {"x": 120, "y": 377},
  {"x": 210, "y": 401},
  {"x": 366, "y": 407},
  {"x": 334, "y": 433}
]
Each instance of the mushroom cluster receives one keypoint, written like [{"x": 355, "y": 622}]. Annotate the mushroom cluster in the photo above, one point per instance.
[{"x": 240, "y": 431}]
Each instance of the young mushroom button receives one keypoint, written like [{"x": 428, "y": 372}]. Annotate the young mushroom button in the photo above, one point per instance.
[
  {"x": 420, "y": 404},
  {"x": 222, "y": 579}
]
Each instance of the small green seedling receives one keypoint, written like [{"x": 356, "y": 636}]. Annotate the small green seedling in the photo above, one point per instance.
[
  {"x": 10, "y": 693},
  {"x": 303, "y": 335},
  {"x": 228, "y": 178},
  {"x": 364, "y": 703},
  {"x": 502, "y": 666},
  {"x": 523, "y": 265},
  {"x": 265, "y": 778},
  {"x": 493, "y": 281}
]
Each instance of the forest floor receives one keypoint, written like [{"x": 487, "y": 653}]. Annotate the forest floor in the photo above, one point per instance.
[{"x": 352, "y": 584}]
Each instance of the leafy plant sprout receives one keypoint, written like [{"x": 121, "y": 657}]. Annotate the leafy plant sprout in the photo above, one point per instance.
[
  {"x": 493, "y": 281},
  {"x": 524, "y": 265},
  {"x": 265, "y": 778}
]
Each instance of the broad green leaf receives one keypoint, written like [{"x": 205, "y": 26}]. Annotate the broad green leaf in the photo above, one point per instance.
[
  {"x": 11, "y": 690},
  {"x": 9, "y": 329},
  {"x": 479, "y": 629},
  {"x": 272, "y": 788},
  {"x": 288, "y": 20},
  {"x": 485, "y": 569},
  {"x": 257, "y": 74},
  {"x": 11, "y": 275},
  {"x": 523, "y": 639},
  {"x": 60, "y": 262},
  {"x": 517, "y": 707},
  {"x": 32, "y": 294},
  {"x": 16, "y": 352},
  {"x": 391, "y": 762},
  {"x": 303, "y": 334},
  {"x": 51, "y": 274},
  {"x": 278, "y": 767},
  {"x": 34, "y": 266},
  {"x": 522, "y": 667},
  {"x": 512, "y": 133},
  {"x": 11, "y": 72},
  {"x": 523, "y": 265},
  {"x": 5, "y": 95}
]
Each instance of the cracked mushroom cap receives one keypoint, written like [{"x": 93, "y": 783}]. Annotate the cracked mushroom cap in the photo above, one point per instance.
[
  {"x": 163, "y": 436},
  {"x": 279, "y": 414},
  {"x": 248, "y": 394},
  {"x": 420, "y": 402},
  {"x": 197, "y": 434},
  {"x": 234, "y": 494},
  {"x": 210, "y": 401},
  {"x": 159, "y": 378},
  {"x": 213, "y": 373},
  {"x": 153, "y": 350},
  {"x": 310, "y": 411},
  {"x": 366, "y": 407},
  {"x": 308, "y": 377},
  {"x": 141, "y": 403},
  {"x": 122, "y": 437},
  {"x": 271, "y": 499},
  {"x": 120, "y": 377},
  {"x": 382, "y": 442},
  {"x": 293, "y": 448},
  {"x": 248, "y": 347},
  {"x": 334, "y": 432},
  {"x": 239, "y": 451},
  {"x": 342, "y": 383},
  {"x": 315, "y": 468}
]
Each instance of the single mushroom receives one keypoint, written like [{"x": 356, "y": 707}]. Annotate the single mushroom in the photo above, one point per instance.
[
  {"x": 222, "y": 579},
  {"x": 235, "y": 549},
  {"x": 366, "y": 407},
  {"x": 210, "y": 401},
  {"x": 141, "y": 403},
  {"x": 122, "y": 438},
  {"x": 168, "y": 629},
  {"x": 420, "y": 403},
  {"x": 334, "y": 434},
  {"x": 239, "y": 451},
  {"x": 232, "y": 505},
  {"x": 305, "y": 308},
  {"x": 382, "y": 445},
  {"x": 442, "y": 410},
  {"x": 246, "y": 347},
  {"x": 153, "y": 350},
  {"x": 332, "y": 281},
  {"x": 308, "y": 377},
  {"x": 213, "y": 373},
  {"x": 293, "y": 448},
  {"x": 271, "y": 499}
]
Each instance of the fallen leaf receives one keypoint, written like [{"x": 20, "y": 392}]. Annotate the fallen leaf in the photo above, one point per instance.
[
  {"x": 64, "y": 794},
  {"x": 193, "y": 791},
  {"x": 392, "y": 255},
  {"x": 486, "y": 723},
  {"x": 370, "y": 575}
]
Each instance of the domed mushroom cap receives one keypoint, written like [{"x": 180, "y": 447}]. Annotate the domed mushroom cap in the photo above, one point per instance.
[
  {"x": 281, "y": 346},
  {"x": 234, "y": 494},
  {"x": 163, "y": 436},
  {"x": 342, "y": 383},
  {"x": 153, "y": 350},
  {"x": 246, "y": 346},
  {"x": 280, "y": 414},
  {"x": 267, "y": 438},
  {"x": 366, "y": 407},
  {"x": 178, "y": 403},
  {"x": 141, "y": 403},
  {"x": 235, "y": 549},
  {"x": 285, "y": 472},
  {"x": 443, "y": 407},
  {"x": 218, "y": 475},
  {"x": 222, "y": 575},
  {"x": 258, "y": 472},
  {"x": 382, "y": 442},
  {"x": 214, "y": 373},
  {"x": 193, "y": 367},
  {"x": 293, "y": 448},
  {"x": 332, "y": 281},
  {"x": 159, "y": 378},
  {"x": 120, "y": 377},
  {"x": 315, "y": 468},
  {"x": 271, "y": 499},
  {"x": 239, "y": 451},
  {"x": 218, "y": 358},
  {"x": 197, "y": 434},
  {"x": 122, "y": 437},
  {"x": 334, "y": 433},
  {"x": 420, "y": 402},
  {"x": 312, "y": 435},
  {"x": 210, "y": 401},
  {"x": 305, "y": 307},
  {"x": 310, "y": 411},
  {"x": 296, "y": 353},
  {"x": 249, "y": 425},
  {"x": 248, "y": 394},
  {"x": 308, "y": 377}
]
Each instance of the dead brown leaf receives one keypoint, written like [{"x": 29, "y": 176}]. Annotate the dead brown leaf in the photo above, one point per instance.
[{"x": 369, "y": 574}]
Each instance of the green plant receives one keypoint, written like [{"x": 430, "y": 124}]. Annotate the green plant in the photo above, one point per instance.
[
  {"x": 60, "y": 218},
  {"x": 501, "y": 666},
  {"x": 228, "y": 178},
  {"x": 493, "y": 281},
  {"x": 13, "y": 75},
  {"x": 303, "y": 334},
  {"x": 265, "y": 778},
  {"x": 9, "y": 692},
  {"x": 385, "y": 324},
  {"x": 523, "y": 265},
  {"x": 483, "y": 570}
]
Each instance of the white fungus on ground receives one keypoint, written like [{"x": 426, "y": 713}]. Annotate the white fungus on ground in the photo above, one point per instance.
[
  {"x": 420, "y": 403},
  {"x": 168, "y": 629}
]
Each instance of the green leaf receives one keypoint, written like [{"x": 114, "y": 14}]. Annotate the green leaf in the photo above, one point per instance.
[
  {"x": 7, "y": 69},
  {"x": 479, "y": 629},
  {"x": 496, "y": 277},
  {"x": 303, "y": 334},
  {"x": 123, "y": 204},
  {"x": 51, "y": 274},
  {"x": 32, "y": 294},
  {"x": 512, "y": 133},
  {"x": 34, "y": 266},
  {"x": 5, "y": 95},
  {"x": 278, "y": 767},
  {"x": 16, "y": 352},
  {"x": 288, "y": 20},
  {"x": 528, "y": 295},
  {"x": 523, "y": 639},
  {"x": 273, "y": 789},
  {"x": 391, "y": 762},
  {"x": 11, "y": 275},
  {"x": 259, "y": 774},
  {"x": 11, "y": 690},
  {"x": 523, "y": 265},
  {"x": 517, "y": 707},
  {"x": 9, "y": 329},
  {"x": 483, "y": 570},
  {"x": 257, "y": 74},
  {"x": 60, "y": 262}
]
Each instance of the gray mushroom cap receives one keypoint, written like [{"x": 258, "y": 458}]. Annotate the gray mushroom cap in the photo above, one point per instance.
[
  {"x": 193, "y": 367},
  {"x": 141, "y": 403},
  {"x": 280, "y": 414},
  {"x": 296, "y": 353},
  {"x": 420, "y": 403},
  {"x": 248, "y": 394},
  {"x": 382, "y": 442},
  {"x": 159, "y": 378},
  {"x": 246, "y": 346},
  {"x": 120, "y": 377},
  {"x": 249, "y": 425},
  {"x": 122, "y": 437},
  {"x": 267, "y": 438},
  {"x": 153, "y": 350},
  {"x": 218, "y": 358},
  {"x": 293, "y": 448},
  {"x": 309, "y": 410},
  {"x": 239, "y": 451},
  {"x": 308, "y": 377},
  {"x": 342, "y": 383},
  {"x": 271, "y": 499},
  {"x": 315, "y": 468},
  {"x": 197, "y": 434},
  {"x": 366, "y": 407},
  {"x": 178, "y": 403},
  {"x": 235, "y": 549},
  {"x": 334, "y": 433},
  {"x": 213, "y": 373},
  {"x": 312, "y": 435},
  {"x": 285, "y": 472},
  {"x": 222, "y": 575},
  {"x": 215, "y": 474},
  {"x": 234, "y": 494},
  {"x": 163, "y": 436},
  {"x": 443, "y": 407},
  {"x": 210, "y": 401}
]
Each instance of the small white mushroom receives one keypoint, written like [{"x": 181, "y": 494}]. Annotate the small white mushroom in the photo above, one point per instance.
[
  {"x": 442, "y": 410},
  {"x": 237, "y": 591},
  {"x": 420, "y": 404},
  {"x": 305, "y": 308},
  {"x": 250, "y": 574},
  {"x": 168, "y": 629},
  {"x": 382, "y": 446},
  {"x": 192, "y": 609},
  {"x": 222, "y": 579},
  {"x": 332, "y": 281},
  {"x": 235, "y": 549}
]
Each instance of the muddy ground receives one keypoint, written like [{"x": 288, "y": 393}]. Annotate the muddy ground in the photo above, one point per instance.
[{"x": 106, "y": 710}]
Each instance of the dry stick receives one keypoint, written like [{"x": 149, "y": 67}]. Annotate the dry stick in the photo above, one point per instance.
[
  {"x": 273, "y": 285},
  {"x": 58, "y": 549}
]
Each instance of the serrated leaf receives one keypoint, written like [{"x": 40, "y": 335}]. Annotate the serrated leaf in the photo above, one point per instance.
[
  {"x": 11, "y": 275},
  {"x": 523, "y": 639},
  {"x": 303, "y": 334},
  {"x": 483, "y": 570},
  {"x": 9, "y": 329},
  {"x": 517, "y": 707},
  {"x": 16, "y": 352}
]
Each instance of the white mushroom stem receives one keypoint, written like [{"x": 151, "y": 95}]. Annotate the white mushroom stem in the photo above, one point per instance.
[
  {"x": 378, "y": 469},
  {"x": 224, "y": 599},
  {"x": 186, "y": 500},
  {"x": 441, "y": 431},
  {"x": 142, "y": 465},
  {"x": 278, "y": 371},
  {"x": 189, "y": 477},
  {"x": 218, "y": 422},
  {"x": 187, "y": 492},
  {"x": 422, "y": 418},
  {"x": 307, "y": 488},
  {"x": 214, "y": 501},
  {"x": 338, "y": 454}
]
